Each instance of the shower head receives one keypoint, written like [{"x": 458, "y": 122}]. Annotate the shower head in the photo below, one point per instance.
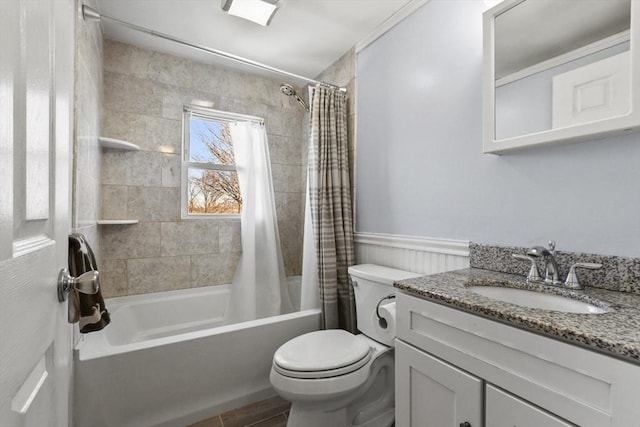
[{"x": 289, "y": 90}]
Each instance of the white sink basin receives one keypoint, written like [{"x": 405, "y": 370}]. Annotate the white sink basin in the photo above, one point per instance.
[{"x": 532, "y": 299}]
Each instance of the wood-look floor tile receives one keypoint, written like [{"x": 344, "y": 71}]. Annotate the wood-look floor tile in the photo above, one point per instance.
[
  {"x": 209, "y": 422},
  {"x": 277, "y": 421},
  {"x": 255, "y": 412}
]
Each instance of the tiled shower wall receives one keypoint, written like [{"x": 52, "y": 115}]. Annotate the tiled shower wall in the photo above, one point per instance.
[
  {"x": 88, "y": 106},
  {"x": 144, "y": 92}
]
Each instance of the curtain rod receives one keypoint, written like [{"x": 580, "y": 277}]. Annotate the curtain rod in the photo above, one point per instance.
[{"x": 91, "y": 15}]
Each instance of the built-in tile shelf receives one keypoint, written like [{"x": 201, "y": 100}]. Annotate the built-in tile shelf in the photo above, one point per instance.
[
  {"x": 117, "y": 221},
  {"x": 117, "y": 144}
]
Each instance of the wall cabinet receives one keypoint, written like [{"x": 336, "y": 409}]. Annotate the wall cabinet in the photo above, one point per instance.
[{"x": 453, "y": 367}]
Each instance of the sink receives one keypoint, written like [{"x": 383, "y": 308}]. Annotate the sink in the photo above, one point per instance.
[{"x": 533, "y": 299}]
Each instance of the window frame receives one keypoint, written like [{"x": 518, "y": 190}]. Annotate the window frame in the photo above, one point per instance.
[{"x": 189, "y": 111}]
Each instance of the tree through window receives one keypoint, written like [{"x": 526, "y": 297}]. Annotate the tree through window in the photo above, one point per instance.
[{"x": 210, "y": 179}]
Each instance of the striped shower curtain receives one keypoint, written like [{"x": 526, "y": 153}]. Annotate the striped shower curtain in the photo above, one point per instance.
[{"x": 331, "y": 209}]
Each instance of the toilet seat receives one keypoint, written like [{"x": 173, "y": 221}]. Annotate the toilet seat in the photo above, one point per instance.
[{"x": 321, "y": 354}]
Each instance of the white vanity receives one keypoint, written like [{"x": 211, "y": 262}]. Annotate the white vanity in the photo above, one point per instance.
[{"x": 465, "y": 360}]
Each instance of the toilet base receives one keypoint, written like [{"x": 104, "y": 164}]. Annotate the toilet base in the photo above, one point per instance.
[
  {"x": 371, "y": 406},
  {"x": 340, "y": 418}
]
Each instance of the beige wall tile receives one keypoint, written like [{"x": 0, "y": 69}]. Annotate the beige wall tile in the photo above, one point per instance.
[
  {"x": 113, "y": 278},
  {"x": 242, "y": 106},
  {"x": 213, "y": 269},
  {"x": 342, "y": 71},
  {"x": 171, "y": 167},
  {"x": 189, "y": 237},
  {"x": 291, "y": 244},
  {"x": 229, "y": 236},
  {"x": 168, "y": 69},
  {"x": 114, "y": 202},
  {"x": 149, "y": 132},
  {"x": 284, "y": 122},
  {"x": 131, "y": 94},
  {"x": 146, "y": 93},
  {"x": 153, "y": 203},
  {"x": 117, "y": 57},
  {"x": 157, "y": 274},
  {"x": 285, "y": 150},
  {"x": 141, "y": 168},
  {"x": 130, "y": 241},
  {"x": 286, "y": 178},
  {"x": 173, "y": 100},
  {"x": 288, "y": 205},
  {"x": 87, "y": 109}
]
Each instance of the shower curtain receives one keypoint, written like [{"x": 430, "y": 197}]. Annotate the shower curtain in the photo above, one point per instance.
[
  {"x": 329, "y": 197},
  {"x": 259, "y": 287}
]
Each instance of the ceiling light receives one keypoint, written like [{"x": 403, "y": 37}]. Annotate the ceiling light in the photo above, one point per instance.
[{"x": 258, "y": 11}]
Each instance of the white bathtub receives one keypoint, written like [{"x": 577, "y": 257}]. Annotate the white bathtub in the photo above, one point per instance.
[{"x": 171, "y": 358}]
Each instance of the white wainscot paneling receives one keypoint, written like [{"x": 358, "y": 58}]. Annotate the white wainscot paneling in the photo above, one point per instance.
[{"x": 416, "y": 254}]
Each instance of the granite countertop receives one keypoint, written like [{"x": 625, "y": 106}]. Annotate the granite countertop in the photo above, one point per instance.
[{"x": 615, "y": 333}]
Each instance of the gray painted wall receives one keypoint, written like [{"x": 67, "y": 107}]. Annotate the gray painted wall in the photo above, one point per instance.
[{"x": 420, "y": 170}]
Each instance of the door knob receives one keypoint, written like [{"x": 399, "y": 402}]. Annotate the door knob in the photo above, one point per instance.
[
  {"x": 465, "y": 424},
  {"x": 86, "y": 283}
]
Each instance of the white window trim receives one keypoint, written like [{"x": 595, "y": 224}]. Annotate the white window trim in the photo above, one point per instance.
[{"x": 189, "y": 111}]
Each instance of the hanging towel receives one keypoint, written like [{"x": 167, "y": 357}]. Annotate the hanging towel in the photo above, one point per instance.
[{"x": 91, "y": 312}]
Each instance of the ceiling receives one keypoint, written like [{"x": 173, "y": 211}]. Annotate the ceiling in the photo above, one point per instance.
[{"x": 304, "y": 37}]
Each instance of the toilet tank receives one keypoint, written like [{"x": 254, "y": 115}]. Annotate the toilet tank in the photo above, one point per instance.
[{"x": 371, "y": 283}]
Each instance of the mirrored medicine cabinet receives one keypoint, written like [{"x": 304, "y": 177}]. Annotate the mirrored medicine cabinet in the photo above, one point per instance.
[{"x": 559, "y": 71}]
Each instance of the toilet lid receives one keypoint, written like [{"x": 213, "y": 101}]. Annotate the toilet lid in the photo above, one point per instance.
[{"x": 322, "y": 351}]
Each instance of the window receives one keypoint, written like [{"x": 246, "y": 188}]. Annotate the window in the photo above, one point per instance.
[{"x": 209, "y": 177}]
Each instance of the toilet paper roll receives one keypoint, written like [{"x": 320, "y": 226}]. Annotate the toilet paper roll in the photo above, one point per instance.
[{"x": 388, "y": 313}]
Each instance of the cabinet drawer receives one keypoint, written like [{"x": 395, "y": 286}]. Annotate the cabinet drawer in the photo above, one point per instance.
[{"x": 506, "y": 410}]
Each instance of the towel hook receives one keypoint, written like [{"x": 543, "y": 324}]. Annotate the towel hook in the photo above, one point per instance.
[{"x": 87, "y": 283}]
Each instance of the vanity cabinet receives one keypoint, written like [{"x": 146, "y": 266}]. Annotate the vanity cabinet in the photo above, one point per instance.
[
  {"x": 505, "y": 410},
  {"x": 454, "y": 367},
  {"x": 435, "y": 393}
]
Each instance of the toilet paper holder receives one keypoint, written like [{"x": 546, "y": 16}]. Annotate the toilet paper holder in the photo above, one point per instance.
[{"x": 381, "y": 320}]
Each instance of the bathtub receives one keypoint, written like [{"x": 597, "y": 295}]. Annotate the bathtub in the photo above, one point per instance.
[{"x": 172, "y": 358}]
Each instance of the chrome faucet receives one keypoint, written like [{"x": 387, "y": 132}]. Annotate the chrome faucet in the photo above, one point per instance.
[
  {"x": 550, "y": 263},
  {"x": 551, "y": 267}
]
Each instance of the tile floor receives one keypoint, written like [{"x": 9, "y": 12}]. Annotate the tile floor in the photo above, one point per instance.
[{"x": 266, "y": 413}]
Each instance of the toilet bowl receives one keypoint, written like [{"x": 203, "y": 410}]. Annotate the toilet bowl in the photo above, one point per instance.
[{"x": 335, "y": 378}]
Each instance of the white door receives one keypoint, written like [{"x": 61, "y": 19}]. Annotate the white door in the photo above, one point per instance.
[
  {"x": 433, "y": 393},
  {"x": 36, "y": 100}
]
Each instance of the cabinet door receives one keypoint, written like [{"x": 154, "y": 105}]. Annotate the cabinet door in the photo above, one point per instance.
[
  {"x": 432, "y": 393},
  {"x": 506, "y": 410}
]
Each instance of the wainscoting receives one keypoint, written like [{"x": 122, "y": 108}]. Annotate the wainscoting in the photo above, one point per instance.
[{"x": 416, "y": 254}]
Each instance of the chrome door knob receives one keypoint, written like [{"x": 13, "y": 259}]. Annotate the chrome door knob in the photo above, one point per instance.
[{"x": 87, "y": 283}]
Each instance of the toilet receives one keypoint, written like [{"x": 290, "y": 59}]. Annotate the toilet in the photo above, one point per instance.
[{"x": 338, "y": 379}]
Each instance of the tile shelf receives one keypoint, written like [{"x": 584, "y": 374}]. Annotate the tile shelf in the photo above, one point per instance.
[
  {"x": 117, "y": 221},
  {"x": 117, "y": 144}
]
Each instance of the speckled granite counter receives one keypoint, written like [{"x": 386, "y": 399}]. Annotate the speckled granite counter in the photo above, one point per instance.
[{"x": 616, "y": 332}]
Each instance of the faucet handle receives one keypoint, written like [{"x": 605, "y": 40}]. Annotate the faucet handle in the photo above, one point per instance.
[
  {"x": 534, "y": 273},
  {"x": 572, "y": 277}
]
